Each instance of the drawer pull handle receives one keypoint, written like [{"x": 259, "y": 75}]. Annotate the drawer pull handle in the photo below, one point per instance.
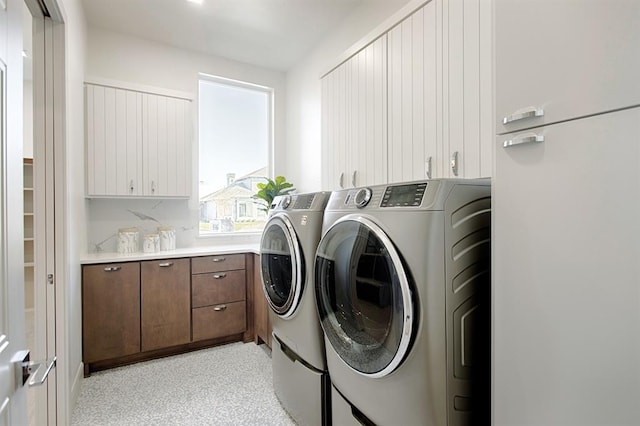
[
  {"x": 522, "y": 114},
  {"x": 219, "y": 308},
  {"x": 165, "y": 264},
  {"x": 219, "y": 276},
  {"x": 112, "y": 268},
  {"x": 523, "y": 139},
  {"x": 219, "y": 259}
]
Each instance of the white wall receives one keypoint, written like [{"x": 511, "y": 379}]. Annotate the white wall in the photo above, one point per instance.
[
  {"x": 75, "y": 49},
  {"x": 133, "y": 60},
  {"x": 304, "y": 91}
]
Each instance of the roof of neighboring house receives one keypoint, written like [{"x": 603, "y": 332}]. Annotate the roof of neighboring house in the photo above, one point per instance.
[{"x": 238, "y": 189}]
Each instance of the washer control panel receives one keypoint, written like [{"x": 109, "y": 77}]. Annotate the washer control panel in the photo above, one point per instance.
[{"x": 409, "y": 195}]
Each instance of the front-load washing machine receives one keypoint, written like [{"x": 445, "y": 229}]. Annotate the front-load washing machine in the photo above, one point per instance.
[
  {"x": 287, "y": 254},
  {"x": 403, "y": 292}
]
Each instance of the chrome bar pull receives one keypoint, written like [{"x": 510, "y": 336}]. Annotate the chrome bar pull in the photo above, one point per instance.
[
  {"x": 165, "y": 264},
  {"x": 219, "y": 276},
  {"x": 219, "y": 259},
  {"x": 523, "y": 139},
  {"x": 353, "y": 178},
  {"x": 529, "y": 112},
  {"x": 342, "y": 180},
  {"x": 427, "y": 168},
  {"x": 112, "y": 268},
  {"x": 219, "y": 308}
]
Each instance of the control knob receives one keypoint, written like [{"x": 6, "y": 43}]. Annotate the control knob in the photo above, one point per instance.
[
  {"x": 286, "y": 201},
  {"x": 363, "y": 196}
]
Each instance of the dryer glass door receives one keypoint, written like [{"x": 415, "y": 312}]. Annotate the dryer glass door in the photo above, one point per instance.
[
  {"x": 363, "y": 295},
  {"x": 281, "y": 265}
]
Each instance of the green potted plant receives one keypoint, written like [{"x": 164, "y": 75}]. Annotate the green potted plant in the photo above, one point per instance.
[{"x": 271, "y": 189}]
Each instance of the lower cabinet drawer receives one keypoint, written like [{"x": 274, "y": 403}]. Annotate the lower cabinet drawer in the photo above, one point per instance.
[{"x": 224, "y": 319}]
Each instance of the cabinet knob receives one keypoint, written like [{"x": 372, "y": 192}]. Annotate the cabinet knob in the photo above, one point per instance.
[
  {"x": 427, "y": 168},
  {"x": 153, "y": 186},
  {"x": 219, "y": 259},
  {"x": 219, "y": 276},
  {"x": 455, "y": 163},
  {"x": 219, "y": 308},
  {"x": 112, "y": 268},
  {"x": 131, "y": 186}
]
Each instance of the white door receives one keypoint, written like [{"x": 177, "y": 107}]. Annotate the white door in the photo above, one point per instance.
[{"x": 12, "y": 323}]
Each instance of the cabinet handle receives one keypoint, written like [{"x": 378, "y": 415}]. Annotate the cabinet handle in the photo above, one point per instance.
[
  {"x": 427, "y": 168},
  {"x": 522, "y": 114},
  {"x": 523, "y": 139},
  {"x": 153, "y": 186},
  {"x": 353, "y": 178},
  {"x": 219, "y": 276},
  {"x": 165, "y": 264},
  {"x": 219, "y": 259},
  {"x": 112, "y": 268},
  {"x": 131, "y": 186},
  {"x": 342, "y": 180},
  {"x": 454, "y": 163},
  {"x": 219, "y": 308}
]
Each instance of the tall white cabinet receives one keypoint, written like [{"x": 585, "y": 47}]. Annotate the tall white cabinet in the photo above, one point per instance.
[
  {"x": 138, "y": 143},
  {"x": 566, "y": 203},
  {"x": 420, "y": 108}
]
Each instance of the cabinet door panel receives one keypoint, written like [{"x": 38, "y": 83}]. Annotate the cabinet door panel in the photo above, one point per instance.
[
  {"x": 414, "y": 64},
  {"x": 578, "y": 58},
  {"x": 110, "y": 311},
  {"x": 166, "y": 303},
  {"x": 565, "y": 276}
]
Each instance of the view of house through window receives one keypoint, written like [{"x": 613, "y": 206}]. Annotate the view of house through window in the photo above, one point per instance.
[{"x": 235, "y": 139}]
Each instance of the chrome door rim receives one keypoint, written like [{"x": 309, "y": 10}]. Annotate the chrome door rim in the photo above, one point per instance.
[
  {"x": 291, "y": 304},
  {"x": 407, "y": 302}
]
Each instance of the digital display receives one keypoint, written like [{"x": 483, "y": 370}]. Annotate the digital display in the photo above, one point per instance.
[{"x": 404, "y": 195}]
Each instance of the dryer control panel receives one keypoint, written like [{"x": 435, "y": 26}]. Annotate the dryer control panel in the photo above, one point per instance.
[{"x": 409, "y": 195}]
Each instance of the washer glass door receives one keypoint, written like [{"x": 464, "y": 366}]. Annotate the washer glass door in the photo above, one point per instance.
[
  {"x": 363, "y": 295},
  {"x": 281, "y": 265}
]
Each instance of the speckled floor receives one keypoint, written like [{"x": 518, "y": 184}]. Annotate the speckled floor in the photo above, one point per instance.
[{"x": 225, "y": 385}]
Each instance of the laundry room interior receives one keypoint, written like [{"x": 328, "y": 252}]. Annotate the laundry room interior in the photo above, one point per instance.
[{"x": 320, "y": 212}]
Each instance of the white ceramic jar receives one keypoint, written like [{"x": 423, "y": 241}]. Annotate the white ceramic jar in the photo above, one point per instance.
[
  {"x": 167, "y": 237},
  {"x": 151, "y": 243},
  {"x": 127, "y": 240}
]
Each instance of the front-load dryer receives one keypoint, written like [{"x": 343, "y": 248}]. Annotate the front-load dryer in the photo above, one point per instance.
[
  {"x": 403, "y": 293},
  {"x": 287, "y": 254}
]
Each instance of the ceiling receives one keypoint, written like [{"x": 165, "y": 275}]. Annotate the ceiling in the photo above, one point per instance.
[{"x": 270, "y": 33}]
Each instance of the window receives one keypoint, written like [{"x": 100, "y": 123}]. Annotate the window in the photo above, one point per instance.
[{"x": 235, "y": 128}]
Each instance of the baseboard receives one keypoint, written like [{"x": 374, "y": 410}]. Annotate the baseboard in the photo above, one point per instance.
[{"x": 76, "y": 387}]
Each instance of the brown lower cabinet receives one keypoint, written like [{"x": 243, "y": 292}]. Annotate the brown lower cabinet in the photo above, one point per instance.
[
  {"x": 133, "y": 311},
  {"x": 166, "y": 303},
  {"x": 110, "y": 311},
  {"x": 262, "y": 323}
]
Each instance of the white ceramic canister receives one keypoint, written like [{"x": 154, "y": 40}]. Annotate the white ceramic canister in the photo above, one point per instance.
[
  {"x": 127, "y": 240},
  {"x": 151, "y": 243},
  {"x": 167, "y": 237}
]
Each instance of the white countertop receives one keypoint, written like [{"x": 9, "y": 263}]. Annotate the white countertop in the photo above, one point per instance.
[{"x": 172, "y": 254}]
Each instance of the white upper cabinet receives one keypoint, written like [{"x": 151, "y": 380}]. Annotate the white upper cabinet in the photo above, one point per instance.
[
  {"x": 354, "y": 116},
  {"x": 468, "y": 101},
  {"x": 138, "y": 144},
  {"x": 114, "y": 141},
  {"x": 590, "y": 65},
  {"x": 414, "y": 104},
  {"x": 415, "y": 97}
]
